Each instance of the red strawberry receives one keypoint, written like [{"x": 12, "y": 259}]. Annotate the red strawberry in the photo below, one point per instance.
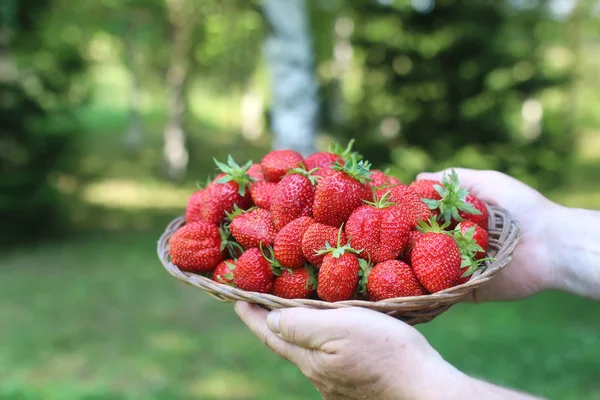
[
  {"x": 480, "y": 235},
  {"x": 223, "y": 273},
  {"x": 390, "y": 279},
  {"x": 412, "y": 239},
  {"x": 293, "y": 198},
  {"x": 288, "y": 243},
  {"x": 425, "y": 188},
  {"x": 456, "y": 204},
  {"x": 253, "y": 272},
  {"x": 315, "y": 239},
  {"x": 255, "y": 172},
  {"x": 436, "y": 260},
  {"x": 278, "y": 162},
  {"x": 340, "y": 273},
  {"x": 294, "y": 284},
  {"x": 340, "y": 192},
  {"x": 379, "y": 230},
  {"x": 321, "y": 159},
  {"x": 228, "y": 190},
  {"x": 381, "y": 179},
  {"x": 481, "y": 218},
  {"x": 194, "y": 205},
  {"x": 262, "y": 193},
  {"x": 251, "y": 228},
  {"x": 196, "y": 247},
  {"x": 406, "y": 198}
]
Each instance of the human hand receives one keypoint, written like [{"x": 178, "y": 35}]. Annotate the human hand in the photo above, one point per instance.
[
  {"x": 354, "y": 353},
  {"x": 532, "y": 268}
]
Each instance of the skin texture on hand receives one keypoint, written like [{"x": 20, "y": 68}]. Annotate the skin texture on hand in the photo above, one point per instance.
[
  {"x": 354, "y": 353},
  {"x": 557, "y": 249}
]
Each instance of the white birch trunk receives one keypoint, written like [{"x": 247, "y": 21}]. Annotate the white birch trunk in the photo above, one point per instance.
[{"x": 289, "y": 55}]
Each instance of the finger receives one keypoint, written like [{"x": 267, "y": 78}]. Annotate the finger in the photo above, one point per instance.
[
  {"x": 255, "y": 318},
  {"x": 310, "y": 328}
]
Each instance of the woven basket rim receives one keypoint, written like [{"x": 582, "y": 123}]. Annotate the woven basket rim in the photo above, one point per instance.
[{"x": 504, "y": 236}]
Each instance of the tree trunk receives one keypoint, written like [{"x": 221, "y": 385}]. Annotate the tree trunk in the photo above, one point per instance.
[
  {"x": 175, "y": 154},
  {"x": 289, "y": 55}
]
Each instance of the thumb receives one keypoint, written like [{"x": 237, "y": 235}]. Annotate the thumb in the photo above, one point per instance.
[{"x": 308, "y": 328}]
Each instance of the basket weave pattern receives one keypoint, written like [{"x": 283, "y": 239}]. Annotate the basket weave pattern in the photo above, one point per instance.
[{"x": 503, "y": 238}]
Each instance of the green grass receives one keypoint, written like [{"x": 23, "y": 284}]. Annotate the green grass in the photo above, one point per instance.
[{"x": 99, "y": 318}]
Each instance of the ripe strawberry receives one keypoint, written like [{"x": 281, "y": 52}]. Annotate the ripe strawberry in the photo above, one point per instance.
[
  {"x": 340, "y": 273},
  {"x": 480, "y": 235},
  {"x": 380, "y": 179},
  {"x": 251, "y": 228},
  {"x": 406, "y": 198},
  {"x": 436, "y": 259},
  {"x": 379, "y": 229},
  {"x": 255, "y": 172},
  {"x": 412, "y": 239},
  {"x": 340, "y": 192},
  {"x": 196, "y": 247},
  {"x": 194, "y": 205},
  {"x": 293, "y": 197},
  {"x": 390, "y": 279},
  {"x": 425, "y": 188},
  {"x": 278, "y": 162},
  {"x": 253, "y": 272},
  {"x": 228, "y": 190},
  {"x": 315, "y": 239},
  {"x": 481, "y": 218},
  {"x": 262, "y": 193},
  {"x": 223, "y": 273},
  {"x": 456, "y": 204},
  {"x": 295, "y": 284},
  {"x": 321, "y": 159},
  {"x": 288, "y": 243}
]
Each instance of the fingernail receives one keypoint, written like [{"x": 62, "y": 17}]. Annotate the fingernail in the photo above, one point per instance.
[{"x": 273, "y": 321}]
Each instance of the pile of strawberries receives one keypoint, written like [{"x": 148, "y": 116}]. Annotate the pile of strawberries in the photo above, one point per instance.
[{"x": 328, "y": 226}]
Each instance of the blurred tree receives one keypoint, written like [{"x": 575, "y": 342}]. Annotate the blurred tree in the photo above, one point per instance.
[{"x": 458, "y": 82}]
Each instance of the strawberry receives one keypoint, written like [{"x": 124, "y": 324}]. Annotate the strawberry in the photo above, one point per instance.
[
  {"x": 436, "y": 258},
  {"x": 480, "y": 218},
  {"x": 228, "y": 190},
  {"x": 340, "y": 273},
  {"x": 380, "y": 179},
  {"x": 456, "y": 204},
  {"x": 194, "y": 205},
  {"x": 255, "y": 172},
  {"x": 425, "y": 188},
  {"x": 341, "y": 191},
  {"x": 473, "y": 243},
  {"x": 316, "y": 237},
  {"x": 293, "y": 197},
  {"x": 196, "y": 247},
  {"x": 412, "y": 239},
  {"x": 288, "y": 243},
  {"x": 262, "y": 193},
  {"x": 252, "y": 228},
  {"x": 278, "y": 162},
  {"x": 390, "y": 279},
  {"x": 480, "y": 235},
  {"x": 253, "y": 272},
  {"x": 223, "y": 273},
  {"x": 406, "y": 198},
  {"x": 321, "y": 159},
  {"x": 295, "y": 284},
  {"x": 379, "y": 229}
]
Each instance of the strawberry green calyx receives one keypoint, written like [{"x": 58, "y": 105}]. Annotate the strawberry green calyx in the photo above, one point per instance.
[
  {"x": 314, "y": 179},
  {"x": 236, "y": 212},
  {"x": 200, "y": 185},
  {"x": 363, "y": 274},
  {"x": 228, "y": 276},
  {"x": 359, "y": 170},
  {"x": 233, "y": 172},
  {"x": 339, "y": 250},
  {"x": 269, "y": 254},
  {"x": 381, "y": 202},
  {"x": 312, "y": 280},
  {"x": 468, "y": 250},
  {"x": 227, "y": 243},
  {"x": 453, "y": 199},
  {"x": 345, "y": 152},
  {"x": 433, "y": 226}
]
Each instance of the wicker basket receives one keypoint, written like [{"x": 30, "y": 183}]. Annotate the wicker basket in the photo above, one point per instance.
[{"x": 504, "y": 236}]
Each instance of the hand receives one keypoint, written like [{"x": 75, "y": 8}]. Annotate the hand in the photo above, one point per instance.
[
  {"x": 354, "y": 353},
  {"x": 533, "y": 268}
]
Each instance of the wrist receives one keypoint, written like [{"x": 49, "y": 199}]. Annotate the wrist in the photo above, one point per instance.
[{"x": 572, "y": 243}]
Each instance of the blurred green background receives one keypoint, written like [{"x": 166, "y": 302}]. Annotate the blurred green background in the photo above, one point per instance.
[{"x": 111, "y": 112}]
